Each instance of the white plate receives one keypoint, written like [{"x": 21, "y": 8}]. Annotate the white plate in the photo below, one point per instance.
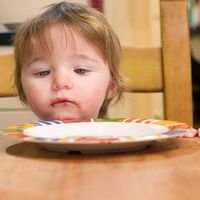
[
  {"x": 95, "y": 129},
  {"x": 96, "y": 135}
]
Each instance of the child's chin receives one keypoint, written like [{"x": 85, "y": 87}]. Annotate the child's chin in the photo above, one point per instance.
[{"x": 67, "y": 117}]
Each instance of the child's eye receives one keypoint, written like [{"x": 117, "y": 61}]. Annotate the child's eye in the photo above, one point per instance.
[
  {"x": 43, "y": 73},
  {"x": 81, "y": 71}
]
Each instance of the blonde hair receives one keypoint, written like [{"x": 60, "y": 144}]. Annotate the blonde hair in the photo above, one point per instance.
[{"x": 88, "y": 21}]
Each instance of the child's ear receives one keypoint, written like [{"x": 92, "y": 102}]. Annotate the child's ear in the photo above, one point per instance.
[{"x": 112, "y": 90}]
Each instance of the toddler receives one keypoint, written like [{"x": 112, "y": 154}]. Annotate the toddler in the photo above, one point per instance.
[{"x": 67, "y": 63}]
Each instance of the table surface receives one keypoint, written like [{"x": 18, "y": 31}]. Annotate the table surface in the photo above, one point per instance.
[{"x": 167, "y": 170}]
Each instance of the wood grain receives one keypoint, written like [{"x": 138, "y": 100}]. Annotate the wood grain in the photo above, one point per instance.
[
  {"x": 7, "y": 73},
  {"x": 176, "y": 61},
  {"x": 167, "y": 170},
  {"x": 142, "y": 67}
]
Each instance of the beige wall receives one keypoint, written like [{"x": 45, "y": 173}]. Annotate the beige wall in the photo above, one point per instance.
[
  {"x": 135, "y": 21},
  {"x": 19, "y": 10}
]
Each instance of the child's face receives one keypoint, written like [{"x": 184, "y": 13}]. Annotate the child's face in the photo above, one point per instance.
[{"x": 71, "y": 82}]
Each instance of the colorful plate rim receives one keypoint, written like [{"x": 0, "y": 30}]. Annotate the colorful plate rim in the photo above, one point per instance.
[{"x": 175, "y": 129}]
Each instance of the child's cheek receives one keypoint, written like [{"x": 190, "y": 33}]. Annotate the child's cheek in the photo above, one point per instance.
[
  {"x": 34, "y": 97},
  {"x": 97, "y": 98}
]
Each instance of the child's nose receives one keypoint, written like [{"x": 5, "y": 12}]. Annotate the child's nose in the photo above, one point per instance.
[{"x": 61, "y": 82}]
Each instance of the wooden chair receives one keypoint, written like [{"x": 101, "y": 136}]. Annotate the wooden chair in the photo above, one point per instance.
[
  {"x": 11, "y": 109},
  {"x": 166, "y": 69},
  {"x": 6, "y": 74}
]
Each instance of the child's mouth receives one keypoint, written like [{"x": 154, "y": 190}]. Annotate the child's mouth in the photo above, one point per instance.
[{"x": 61, "y": 101}]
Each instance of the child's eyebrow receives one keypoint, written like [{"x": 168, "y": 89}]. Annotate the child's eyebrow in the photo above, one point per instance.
[
  {"x": 75, "y": 56},
  {"x": 84, "y": 57},
  {"x": 35, "y": 59}
]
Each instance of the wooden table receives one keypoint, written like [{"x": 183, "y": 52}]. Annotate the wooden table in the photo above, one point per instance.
[{"x": 167, "y": 170}]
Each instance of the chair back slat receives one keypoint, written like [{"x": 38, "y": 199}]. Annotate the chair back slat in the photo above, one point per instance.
[
  {"x": 176, "y": 61},
  {"x": 143, "y": 69},
  {"x": 7, "y": 73}
]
